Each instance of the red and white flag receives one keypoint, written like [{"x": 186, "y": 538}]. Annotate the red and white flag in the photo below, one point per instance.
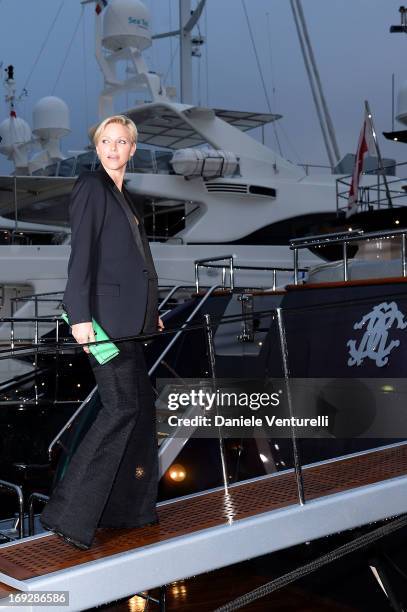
[
  {"x": 366, "y": 144},
  {"x": 100, "y": 6}
]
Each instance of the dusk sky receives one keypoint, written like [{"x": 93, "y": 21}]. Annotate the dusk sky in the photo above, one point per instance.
[{"x": 355, "y": 53}]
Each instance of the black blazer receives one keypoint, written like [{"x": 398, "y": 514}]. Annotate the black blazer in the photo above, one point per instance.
[{"x": 107, "y": 270}]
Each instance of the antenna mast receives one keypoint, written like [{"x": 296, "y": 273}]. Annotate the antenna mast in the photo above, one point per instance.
[
  {"x": 325, "y": 121},
  {"x": 187, "y": 21},
  {"x": 185, "y": 52}
]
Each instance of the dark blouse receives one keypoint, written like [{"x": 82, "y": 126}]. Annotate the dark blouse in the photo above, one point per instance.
[{"x": 150, "y": 324}]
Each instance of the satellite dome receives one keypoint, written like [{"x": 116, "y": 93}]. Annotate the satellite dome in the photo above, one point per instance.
[
  {"x": 51, "y": 118},
  {"x": 401, "y": 114},
  {"x": 126, "y": 23},
  {"x": 13, "y": 131}
]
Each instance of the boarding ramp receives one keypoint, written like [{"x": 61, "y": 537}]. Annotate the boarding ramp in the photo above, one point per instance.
[
  {"x": 206, "y": 531},
  {"x": 215, "y": 528}
]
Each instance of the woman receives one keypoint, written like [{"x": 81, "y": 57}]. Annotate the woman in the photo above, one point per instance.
[{"x": 112, "y": 479}]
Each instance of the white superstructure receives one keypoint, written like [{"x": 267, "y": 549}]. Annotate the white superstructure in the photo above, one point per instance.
[{"x": 240, "y": 198}]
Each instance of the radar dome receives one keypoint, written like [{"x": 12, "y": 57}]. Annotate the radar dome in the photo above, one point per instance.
[
  {"x": 51, "y": 118},
  {"x": 401, "y": 114},
  {"x": 13, "y": 131},
  {"x": 126, "y": 23}
]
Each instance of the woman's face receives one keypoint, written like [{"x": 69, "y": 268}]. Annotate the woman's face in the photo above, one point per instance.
[{"x": 115, "y": 147}]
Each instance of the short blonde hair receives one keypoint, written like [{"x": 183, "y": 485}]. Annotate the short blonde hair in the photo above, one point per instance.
[{"x": 123, "y": 120}]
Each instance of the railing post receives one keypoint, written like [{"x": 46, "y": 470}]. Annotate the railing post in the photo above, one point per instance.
[
  {"x": 284, "y": 353},
  {"x": 337, "y": 195},
  {"x": 345, "y": 260},
  {"x": 232, "y": 274},
  {"x": 10, "y": 486},
  {"x": 403, "y": 254},
  {"x": 212, "y": 367},
  {"x": 15, "y": 209},
  {"x": 12, "y": 336},
  {"x": 224, "y": 277},
  {"x": 197, "y": 308},
  {"x": 36, "y": 334},
  {"x": 295, "y": 266},
  {"x": 197, "y": 277},
  {"x": 57, "y": 360},
  {"x": 34, "y": 496},
  {"x": 274, "y": 279}
]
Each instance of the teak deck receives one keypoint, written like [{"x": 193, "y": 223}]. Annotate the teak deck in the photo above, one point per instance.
[{"x": 43, "y": 555}]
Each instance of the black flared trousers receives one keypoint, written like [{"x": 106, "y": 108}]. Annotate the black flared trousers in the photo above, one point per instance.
[{"x": 112, "y": 478}]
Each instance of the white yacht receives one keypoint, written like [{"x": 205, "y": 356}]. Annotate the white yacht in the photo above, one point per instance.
[
  {"x": 232, "y": 197},
  {"x": 209, "y": 189}
]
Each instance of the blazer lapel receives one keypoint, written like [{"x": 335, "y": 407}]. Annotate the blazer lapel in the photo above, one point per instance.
[{"x": 126, "y": 209}]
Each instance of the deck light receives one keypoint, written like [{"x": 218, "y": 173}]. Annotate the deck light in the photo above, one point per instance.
[
  {"x": 387, "y": 388},
  {"x": 177, "y": 472}
]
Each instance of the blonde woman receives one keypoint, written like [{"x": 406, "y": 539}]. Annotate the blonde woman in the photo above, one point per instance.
[{"x": 112, "y": 479}]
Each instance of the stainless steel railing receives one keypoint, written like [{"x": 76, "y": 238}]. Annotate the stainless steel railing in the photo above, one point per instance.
[
  {"x": 344, "y": 239},
  {"x": 10, "y": 487},
  {"x": 150, "y": 372},
  {"x": 232, "y": 267},
  {"x": 384, "y": 190}
]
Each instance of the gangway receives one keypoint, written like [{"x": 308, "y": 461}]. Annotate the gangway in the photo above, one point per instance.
[
  {"x": 211, "y": 529},
  {"x": 205, "y": 531}
]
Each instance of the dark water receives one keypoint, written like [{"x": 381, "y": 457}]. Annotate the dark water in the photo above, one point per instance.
[{"x": 347, "y": 585}]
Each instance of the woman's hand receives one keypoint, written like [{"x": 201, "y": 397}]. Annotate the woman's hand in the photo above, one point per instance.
[
  {"x": 83, "y": 332},
  {"x": 160, "y": 324}
]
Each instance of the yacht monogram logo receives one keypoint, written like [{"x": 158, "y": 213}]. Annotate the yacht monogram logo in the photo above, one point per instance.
[{"x": 374, "y": 343}]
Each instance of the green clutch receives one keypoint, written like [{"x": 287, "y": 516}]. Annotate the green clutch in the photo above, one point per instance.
[{"x": 102, "y": 352}]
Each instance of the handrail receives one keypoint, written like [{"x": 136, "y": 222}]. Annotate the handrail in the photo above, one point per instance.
[
  {"x": 344, "y": 238},
  {"x": 171, "y": 293},
  {"x": 378, "y": 186},
  {"x": 296, "y": 455},
  {"x": 207, "y": 263},
  {"x": 212, "y": 368},
  {"x": 349, "y": 236},
  {"x": 10, "y": 486},
  {"x": 31, "y": 499},
  {"x": 181, "y": 330},
  {"x": 152, "y": 369},
  {"x": 69, "y": 421}
]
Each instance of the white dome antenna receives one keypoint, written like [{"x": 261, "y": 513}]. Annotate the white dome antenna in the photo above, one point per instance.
[
  {"x": 51, "y": 118},
  {"x": 126, "y": 23},
  {"x": 50, "y": 123},
  {"x": 122, "y": 33}
]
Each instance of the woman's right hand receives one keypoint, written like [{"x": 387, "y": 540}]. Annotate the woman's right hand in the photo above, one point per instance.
[{"x": 83, "y": 332}]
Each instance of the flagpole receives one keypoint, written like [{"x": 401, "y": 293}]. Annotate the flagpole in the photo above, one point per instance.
[{"x": 379, "y": 156}]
